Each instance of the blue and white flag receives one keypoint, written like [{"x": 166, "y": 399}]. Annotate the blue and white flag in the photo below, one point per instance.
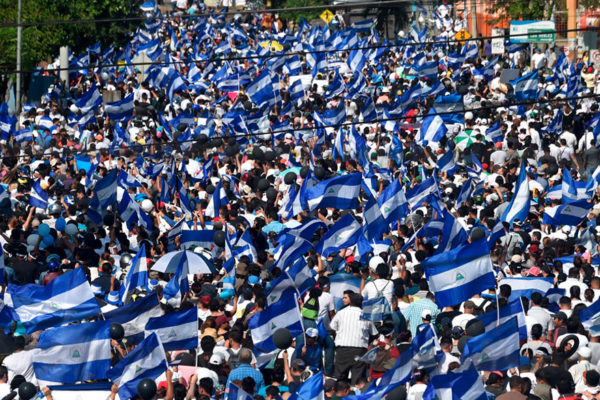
[
  {"x": 131, "y": 212},
  {"x": 392, "y": 202},
  {"x": 571, "y": 214},
  {"x": 106, "y": 189},
  {"x": 446, "y": 162},
  {"x": 494, "y": 133},
  {"x": 120, "y": 110},
  {"x": 524, "y": 287},
  {"x": 176, "y": 330},
  {"x": 179, "y": 285},
  {"x": 73, "y": 353},
  {"x": 301, "y": 275},
  {"x": 432, "y": 130},
  {"x": 498, "y": 349},
  {"x": 456, "y": 386},
  {"x": 458, "y": 274},
  {"x": 24, "y": 135},
  {"x": 282, "y": 314},
  {"x": 68, "y": 298},
  {"x": 341, "y": 282},
  {"x": 374, "y": 222},
  {"x": 426, "y": 348},
  {"x": 237, "y": 393},
  {"x": 570, "y": 189},
  {"x": 90, "y": 100},
  {"x": 137, "y": 276},
  {"x": 590, "y": 318},
  {"x": 134, "y": 316},
  {"x": 453, "y": 234},
  {"x": 146, "y": 360},
  {"x": 344, "y": 233},
  {"x": 398, "y": 375},
  {"x": 217, "y": 200},
  {"x": 422, "y": 192},
  {"x": 312, "y": 389},
  {"x": 38, "y": 197},
  {"x": 513, "y": 309},
  {"x": 261, "y": 91},
  {"x": 201, "y": 238},
  {"x": 526, "y": 87},
  {"x": 340, "y": 192},
  {"x": 519, "y": 205},
  {"x": 556, "y": 126}
]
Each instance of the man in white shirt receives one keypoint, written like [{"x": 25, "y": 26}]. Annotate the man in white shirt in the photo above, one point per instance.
[
  {"x": 577, "y": 370},
  {"x": 379, "y": 286},
  {"x": 538, "y": 315},
  {"x": 539, "y": 59},
  {"x": 21, "y": 362},
  {"x": 351, "y": 339}
]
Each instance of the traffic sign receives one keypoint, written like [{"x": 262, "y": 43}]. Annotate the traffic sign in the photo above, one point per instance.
[
  {"x": 519, "y": 31},
  {"x": 326, "y": 16},
  {"x": 540, "y": 35},
  {"x": 462, "y": 35}
]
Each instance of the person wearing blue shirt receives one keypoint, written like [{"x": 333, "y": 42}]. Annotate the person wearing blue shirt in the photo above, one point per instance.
[
  {"x": 312, "y": 351},
  {"x": 246, "y": 370}
]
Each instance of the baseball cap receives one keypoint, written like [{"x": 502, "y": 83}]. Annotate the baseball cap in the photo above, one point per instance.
[
  {"x": 312, "y": 332},
  {"x": 426, "y": 314},
  {"x": 560, "y": 315},
  {"x": 216, "y": 359}
]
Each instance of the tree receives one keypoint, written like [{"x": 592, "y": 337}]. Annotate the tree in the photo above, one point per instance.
[
  {"x": 41, "y": 42},
  {"x": 506, "y": 10}
]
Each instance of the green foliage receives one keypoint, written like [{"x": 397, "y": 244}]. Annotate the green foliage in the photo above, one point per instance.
[
  {"x": 507, "y": 10},
  {"x": 42, "y": 42},
  {"x": 298, "y": 15}
]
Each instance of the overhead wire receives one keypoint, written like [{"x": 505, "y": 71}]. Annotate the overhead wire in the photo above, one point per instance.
[
  {"x": 264, "y": 56},
  {"x": 350, "y": 123}
]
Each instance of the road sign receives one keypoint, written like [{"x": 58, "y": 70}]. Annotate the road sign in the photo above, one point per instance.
[
  {"x": 498, "y": 42},
  {"x": 522, "y": 30},
  {"x": 462, "y": 35},
  {"x": 326, "y": 16},
  {"x": 540, "y": 35},
  {"x": 595, "y": 56}
]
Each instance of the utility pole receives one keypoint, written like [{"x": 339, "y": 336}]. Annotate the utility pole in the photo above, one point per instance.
[
  {"x": 19, "y": 34},
  {"x": 571, "y": 26},
  {"x": 473, "y": 18}
]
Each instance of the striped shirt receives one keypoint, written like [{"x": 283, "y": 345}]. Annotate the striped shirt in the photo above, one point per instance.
[
  {"x": 350, "y": 330},
  {"x": 243, "y": 371}
]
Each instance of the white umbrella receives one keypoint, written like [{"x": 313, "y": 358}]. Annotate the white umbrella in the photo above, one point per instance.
[{"x": 196, "y": 263}]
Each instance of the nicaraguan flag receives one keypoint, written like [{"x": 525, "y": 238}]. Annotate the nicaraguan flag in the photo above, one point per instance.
[
  {"x": 513, "y": 309},
  {"x": 106, "y": 189},
  {"x": 73, "y": 353},
  {"x": 422, "y": 192},
  {"x": 497, "y": 350},
  {"x": 446, "y": 162},
  {"x": 38, "y": 197},
  {"x": 201, "y": 238},
  {"x": 340, "y": 192},
  {"x": 571, "y": 214},
  {"x": 90, "y": 100},
  {"x": 24, "y": 135},
  {"x": 312, "y": 389},
  {"x": 68, "y": 298},
  {"x": 176, "y": 330},
  {"x": 374, "y": 222},
  {"x": 137, "y": 276},
  {"x": 146, "y": 360},
  {"x": 519, "y": 205},
  {"x": 526, "y": 87},
  {"x": 590, "y": 318},
  {"x": 494, "y": 133},
  {"x": 398, "y": 375},
  {"x": 120, "y": 110},
  {"x": 179, "y": 285},
  {"x": 341, "y": 282},
  {"x": 260, "y": 90},
  {"x": 465, "y": 386},
  {"x": 453, "y": 234},
  {"x": 301, "y": 275},
  {"x": 392, "y": 202},
  {"x": 344, "y": 233},
  {"x": 426, "y": 348},
  {"x": 458, "y": 274},
  {"x": 526, "y": 286},
  {"x": 570, "y": 189},
  {"x": 283, "y": 314},
  {"x": 134, "y": 316},
  {"x": 432, "y": 130},
  {"x": 237, "y": 393}
]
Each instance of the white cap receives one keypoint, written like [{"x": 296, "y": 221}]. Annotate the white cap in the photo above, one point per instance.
[
  {"x": 425, "y": 314},
  {"x": 375, "y": 261},
  {"x": 216, "y": 359},
  {"x": 584, "y": 352}
]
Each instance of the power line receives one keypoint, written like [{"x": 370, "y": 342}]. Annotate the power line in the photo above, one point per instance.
[
  {"x": 342, "y": 124},
  {"x": 257, "y": 56},
  {"x": 378, "y": 4}
]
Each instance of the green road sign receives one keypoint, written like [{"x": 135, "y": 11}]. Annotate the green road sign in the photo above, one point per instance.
[{"x": 540, "y": 35}]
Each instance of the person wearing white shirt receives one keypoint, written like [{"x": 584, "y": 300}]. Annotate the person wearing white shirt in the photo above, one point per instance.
[
  {"x": 21, "y": 362},
  {"x": 378, "y": 287}
]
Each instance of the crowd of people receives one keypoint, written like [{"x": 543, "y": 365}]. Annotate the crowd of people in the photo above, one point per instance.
[{"x": 265, "y": 176}]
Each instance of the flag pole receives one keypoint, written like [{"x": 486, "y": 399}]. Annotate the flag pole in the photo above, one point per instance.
[{"x": 497, "y": 305}]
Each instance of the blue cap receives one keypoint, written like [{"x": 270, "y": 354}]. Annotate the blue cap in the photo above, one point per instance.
[
  {"x": 524, "y": 362},
  {"x": 253, "y": 280}
]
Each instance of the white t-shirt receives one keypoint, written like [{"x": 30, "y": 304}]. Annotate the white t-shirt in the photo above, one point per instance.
[
  {"x": 21, "y": 363},
  {"x": 373, "y": 288}
]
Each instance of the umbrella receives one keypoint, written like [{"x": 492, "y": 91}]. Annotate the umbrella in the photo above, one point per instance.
[
  {"x": 196, "y": 263},
  {"x": 464, "y": 139}
]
